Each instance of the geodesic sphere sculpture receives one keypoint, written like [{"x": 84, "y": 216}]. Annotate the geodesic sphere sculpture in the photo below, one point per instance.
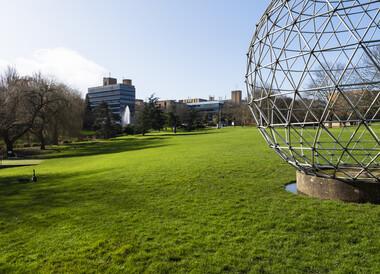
[{"x": 313, "y": 81}]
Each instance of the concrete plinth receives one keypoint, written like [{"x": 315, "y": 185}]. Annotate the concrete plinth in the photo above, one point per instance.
[{"x": 331, "y": 189}]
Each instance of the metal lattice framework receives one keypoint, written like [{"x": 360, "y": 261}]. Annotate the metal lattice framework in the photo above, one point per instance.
[{"x": 313, "y": 81}]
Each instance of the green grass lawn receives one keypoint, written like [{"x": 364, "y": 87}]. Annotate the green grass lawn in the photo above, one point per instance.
[{"x": 205, "y": 202}]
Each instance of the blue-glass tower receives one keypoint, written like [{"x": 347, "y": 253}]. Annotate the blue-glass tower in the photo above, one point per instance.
[{"x": 117, "y": 95}]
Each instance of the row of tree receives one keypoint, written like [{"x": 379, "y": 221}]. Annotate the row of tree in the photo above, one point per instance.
[
  {"x": 147, "y": 116},
  {"x": 150, "y": 116},
  {"x": 38, "y": 106}
]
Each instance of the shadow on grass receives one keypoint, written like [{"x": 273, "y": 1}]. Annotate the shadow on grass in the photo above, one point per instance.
[
  {"x": 95, "y": 147},
  {"x": 189, "y": 133},
  {"x": 192, "y": 133},
  {"x": 67, "y": 191},
  {"x": 20, "y": 197}
]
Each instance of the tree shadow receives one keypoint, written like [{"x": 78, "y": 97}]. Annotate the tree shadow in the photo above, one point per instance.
[
  {"x": 20, "y": 199},
  {"x": 90, "y": 148},
  {"x": 191, "y": 133}
]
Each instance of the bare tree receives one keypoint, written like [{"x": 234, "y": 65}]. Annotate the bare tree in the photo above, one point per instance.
[
  {"x": 38, "y": 105},
  {"x": 371, "y": 63},
  {"x": 49, "y": 90},
  {"x": 369, "y": 99},
  {"x": 176, "y": 115},
  {"x": 20, "y": 104},
  {"x": 68, "y": 120},
  {"x": 61, "y": 114},
  {"x": 239, "y": 114}
]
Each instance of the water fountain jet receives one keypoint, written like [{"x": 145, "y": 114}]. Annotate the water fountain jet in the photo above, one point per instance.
[{"x": 126, "y": 119}]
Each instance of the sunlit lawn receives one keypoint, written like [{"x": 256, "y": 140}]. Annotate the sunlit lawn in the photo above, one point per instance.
[{"x": 205, "y": 202}]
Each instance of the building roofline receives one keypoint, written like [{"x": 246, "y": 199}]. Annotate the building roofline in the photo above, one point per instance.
[
  {"x": 110, "y": 87},
  {"x": 206, "y": 103}
]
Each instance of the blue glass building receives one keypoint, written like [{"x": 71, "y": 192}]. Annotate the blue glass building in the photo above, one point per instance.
[
  {"x": 117, "y": 95},
  {"x": 212, "y": 107}
]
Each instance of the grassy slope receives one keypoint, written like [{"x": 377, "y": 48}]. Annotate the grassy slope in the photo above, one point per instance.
[{"x": 202, "y": 202}]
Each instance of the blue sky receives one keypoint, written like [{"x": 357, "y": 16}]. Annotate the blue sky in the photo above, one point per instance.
[{"x": 173, "y": 48}]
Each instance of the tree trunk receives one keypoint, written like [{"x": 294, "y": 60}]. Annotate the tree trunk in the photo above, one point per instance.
[
  {"x": 55, "y": 136},
  {"x": 40, "y": 135},
  {"x": 9, "y": 145},
  {"x": 28, "y": 138},
  {"x": 42, "y": 141}
]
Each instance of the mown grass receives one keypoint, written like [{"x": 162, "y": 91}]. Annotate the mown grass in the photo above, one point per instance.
[{"x": 208, "y": 202}]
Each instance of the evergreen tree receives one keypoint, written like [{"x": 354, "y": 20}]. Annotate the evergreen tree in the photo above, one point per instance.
[
  {"x": 88, "y": 118},
  {"x": 156, "y": 115},
  {"x": 106, "y": 123},
  {"x": 193, "y": 120},
  {"x": 143, "y": 122}
]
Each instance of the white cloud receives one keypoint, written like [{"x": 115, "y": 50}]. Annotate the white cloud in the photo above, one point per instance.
[
  {"x": 3, "y": 65},
  {"x": 63, "y": 64}
]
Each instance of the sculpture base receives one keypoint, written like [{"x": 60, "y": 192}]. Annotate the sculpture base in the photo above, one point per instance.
[{"x": 332, "y": 189}]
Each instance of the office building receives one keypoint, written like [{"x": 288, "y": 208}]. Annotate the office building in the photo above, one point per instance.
[
  {"x": 117, "y": 95},
  {"x": 166, "y": 104},
  {"x": 208, "y": 106},
  {"x": 236, "y": 97},
  {"x": 192, "y": 100},
  {"x": 139, "y": 102},
  {"x": 211, "y": 109}
]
